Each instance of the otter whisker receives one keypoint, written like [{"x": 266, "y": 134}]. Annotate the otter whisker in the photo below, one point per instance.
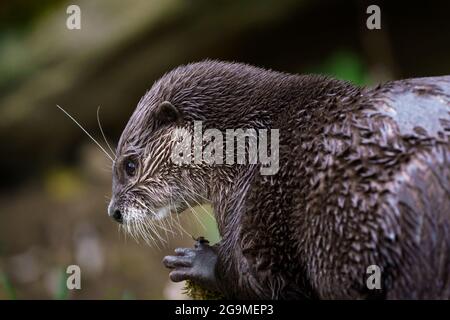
[
  {"x": 135, "y": 232},
  {"x": 198, "y": 194},
  {"x": 121, "y": 231},
  {"x": 201, "y": 206},
  {"x": 155, "y": 241},
  {"x": 178, "y": 223},
  {"x": 132, "y": 229},
  {"x": 150, "y": 227},
  {"x": 140, "y": 202},
  {"x": 101, "y": 130},
  {"x": 143, "y": 232},
  {"x": 86, "y": 132},
  {"x": 163, "y": 227},
  {"x": 192, "y": 190},
  {"x": 154, "y": 228},
  {"x": 173, "y": 222},
  {"x": 148, "y": 234},
  {"x": 124, "y": 233},
  {"x": 193, "y": 211},
  {"x": 170, "y": 222},
  {"x": 138, "y": 228}
]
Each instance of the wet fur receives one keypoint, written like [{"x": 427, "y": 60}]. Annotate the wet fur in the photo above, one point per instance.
[{"x": 353, "y": 189}]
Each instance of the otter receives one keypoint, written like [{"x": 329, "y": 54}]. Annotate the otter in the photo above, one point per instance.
[{"x": 363, "y": 180}]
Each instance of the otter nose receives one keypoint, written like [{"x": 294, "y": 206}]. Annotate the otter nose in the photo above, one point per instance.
[{"x": 115, "y": 214}]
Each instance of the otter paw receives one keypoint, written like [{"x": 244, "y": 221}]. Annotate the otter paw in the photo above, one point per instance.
[{"x": 197, "y": 264}]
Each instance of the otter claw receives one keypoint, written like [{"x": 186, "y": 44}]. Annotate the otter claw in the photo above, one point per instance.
[
  {"x": 196, "y": 264},
  {"x": 200, "y": 241}
]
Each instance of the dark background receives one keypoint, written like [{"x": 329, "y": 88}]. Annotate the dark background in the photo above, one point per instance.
[{"x": 55, "y": 184}]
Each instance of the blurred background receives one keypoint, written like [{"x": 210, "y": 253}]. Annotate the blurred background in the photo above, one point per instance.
[{"x": 55, "y": 183}]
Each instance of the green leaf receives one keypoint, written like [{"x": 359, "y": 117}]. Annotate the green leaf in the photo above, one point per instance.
[
  {"x": 62, "y": 292},
  {"x": 5, "y": 283}
]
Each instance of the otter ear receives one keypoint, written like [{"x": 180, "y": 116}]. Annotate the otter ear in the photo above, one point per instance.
[{"x": 167, "y": 113}]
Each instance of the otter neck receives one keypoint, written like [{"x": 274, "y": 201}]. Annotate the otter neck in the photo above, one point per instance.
[{"x": 227, "y": 191}]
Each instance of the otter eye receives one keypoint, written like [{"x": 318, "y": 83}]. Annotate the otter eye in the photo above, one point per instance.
[{"x": 130, "y": 167}]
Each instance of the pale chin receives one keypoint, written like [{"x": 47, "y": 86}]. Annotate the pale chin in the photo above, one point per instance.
[{"x": 161, "y": 213}]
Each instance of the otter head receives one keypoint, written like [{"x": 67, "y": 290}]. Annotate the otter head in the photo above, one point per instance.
[{"x": 147, "y": 185}]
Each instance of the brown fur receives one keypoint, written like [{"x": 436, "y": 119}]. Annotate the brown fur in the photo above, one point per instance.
[{"x": 356, "y": 187}]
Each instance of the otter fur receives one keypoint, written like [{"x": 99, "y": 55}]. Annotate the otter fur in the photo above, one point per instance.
[{"x": 363, "y": 180}]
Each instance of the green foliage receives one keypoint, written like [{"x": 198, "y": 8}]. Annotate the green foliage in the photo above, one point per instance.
[
  {"x": 197, "y": 292},
  {"x": 345, "y": 65},
  {"x": 22, "y": 14},
  {"x": 7, "y": 287},
  {"x": 62, "y": 292},
  {"x": 211, "y": 232}
]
